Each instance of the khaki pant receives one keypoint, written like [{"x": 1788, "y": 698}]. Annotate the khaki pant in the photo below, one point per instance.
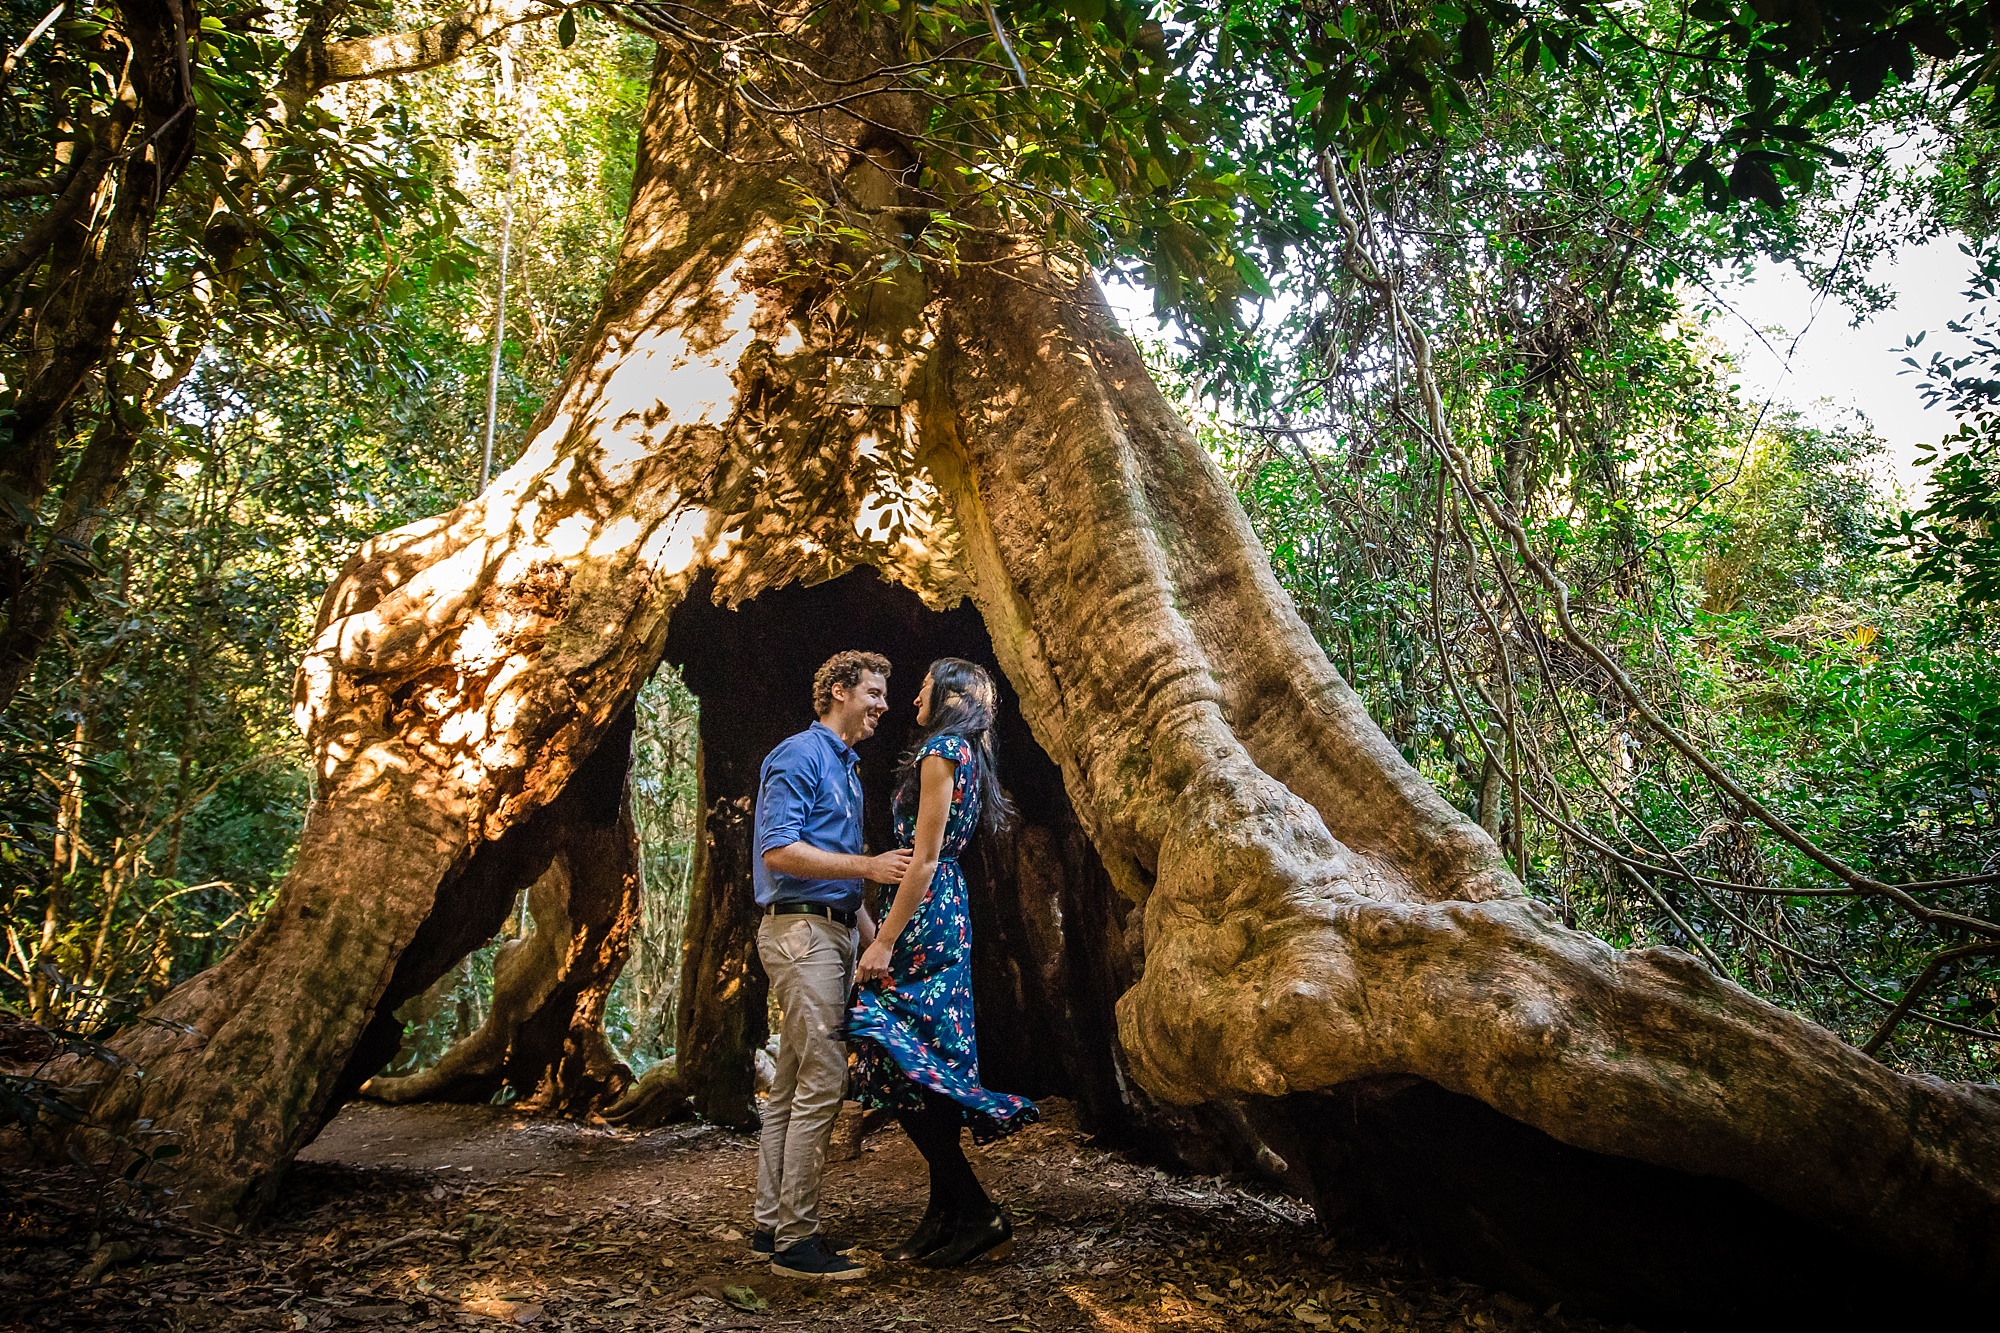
[{"x": 810, "y": 961}]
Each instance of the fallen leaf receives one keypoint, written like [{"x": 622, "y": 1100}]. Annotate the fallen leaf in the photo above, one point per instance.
[
  {"x": 517, "y": 1312},
  {"x": 746, "y": 1299},
  {"x": 106, "y": 1258}
]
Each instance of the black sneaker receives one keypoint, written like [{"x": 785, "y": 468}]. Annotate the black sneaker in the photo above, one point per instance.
[
  {"x": 766, "y": 1242},
  {"x": 808, "y": 1260}
]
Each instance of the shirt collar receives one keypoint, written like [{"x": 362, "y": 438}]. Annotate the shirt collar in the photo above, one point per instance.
[{"x": 840, "y": 747}]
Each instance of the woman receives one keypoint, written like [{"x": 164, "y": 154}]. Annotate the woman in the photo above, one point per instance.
[{"x": 912, "y": 1021}]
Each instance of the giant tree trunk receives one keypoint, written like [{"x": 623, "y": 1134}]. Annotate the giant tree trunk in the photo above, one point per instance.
[
  {"x": 466, "y": 667},
  {"x": 1315, "y": 914},
  {"x": 1298, "y": 914}
]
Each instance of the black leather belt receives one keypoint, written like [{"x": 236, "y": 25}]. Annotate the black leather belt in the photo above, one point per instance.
[{"x": 810, "y": 909}]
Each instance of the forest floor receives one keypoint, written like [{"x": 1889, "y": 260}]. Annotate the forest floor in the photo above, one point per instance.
[{"x": 446, "y": 1218}]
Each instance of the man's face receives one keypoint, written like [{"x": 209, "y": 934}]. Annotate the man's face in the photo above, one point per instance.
[{"x": 857, "y": 708}]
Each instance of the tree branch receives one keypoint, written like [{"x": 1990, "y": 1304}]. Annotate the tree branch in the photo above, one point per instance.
[
  {"x": 84, "y": 179},
  {"x": 1437, "y": 434},
  {"x": 317, "y": 63},
  {"x": 1939, "y": 961}
]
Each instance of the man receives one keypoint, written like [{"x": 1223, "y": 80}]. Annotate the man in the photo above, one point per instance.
[{"x": 808, "y": 872}]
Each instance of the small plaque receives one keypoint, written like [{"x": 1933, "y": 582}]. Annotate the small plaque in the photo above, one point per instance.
[{"x": 864, "y": 382}]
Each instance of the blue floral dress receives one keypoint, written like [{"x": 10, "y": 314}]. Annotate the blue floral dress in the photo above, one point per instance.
[{"x": 915, "y": 1030}]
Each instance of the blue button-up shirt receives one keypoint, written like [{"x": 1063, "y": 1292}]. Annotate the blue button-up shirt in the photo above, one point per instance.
[{"x": 808, "y": 791}]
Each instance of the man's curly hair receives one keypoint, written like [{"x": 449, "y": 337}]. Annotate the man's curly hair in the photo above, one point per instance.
[{"x": 845, "y": 670}]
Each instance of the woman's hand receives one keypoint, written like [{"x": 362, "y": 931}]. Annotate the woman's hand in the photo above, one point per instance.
[
  {"x": 874, "y": 964},
  {"x": 934, "y": 779}
]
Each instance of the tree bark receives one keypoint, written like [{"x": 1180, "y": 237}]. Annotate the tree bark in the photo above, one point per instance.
[
  {"x": 1315, "y": 914},
  {"x": 658, "y": 1098},
  {"x": 1310, "y": 916},
  {"x": 34, "y": 612},
  {"x": 722, "y": 1017},
  {"x": 82, "y": 305},
  {"x": 544, "y": 1032}
]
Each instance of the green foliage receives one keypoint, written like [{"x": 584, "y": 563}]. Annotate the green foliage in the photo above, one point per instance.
[
  {"x": 1955, "y": 538},
  {"x": 1766, "y": 624},
  {"x": 1721, "y": 554},
  {"x": 151, "y": 780},
  {"x": 1184, "y": 146},
  {"x": 666, "y": 807}
]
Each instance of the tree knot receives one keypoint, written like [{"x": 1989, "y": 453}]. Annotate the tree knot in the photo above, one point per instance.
[{"x": 542, "y": 590}]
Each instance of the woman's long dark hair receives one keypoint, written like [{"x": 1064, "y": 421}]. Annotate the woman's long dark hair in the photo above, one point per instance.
[{"x": 964, "y": 702}]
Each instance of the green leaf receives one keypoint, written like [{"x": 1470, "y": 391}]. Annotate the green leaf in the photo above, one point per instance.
[
  {"x": 1252, "y": 276},
  {"x": 566, "y": 28}
]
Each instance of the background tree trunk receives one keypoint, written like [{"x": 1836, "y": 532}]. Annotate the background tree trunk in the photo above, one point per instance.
[
  {"x": 722, "y": 1013},
  {"x": 93, "y": 241}
]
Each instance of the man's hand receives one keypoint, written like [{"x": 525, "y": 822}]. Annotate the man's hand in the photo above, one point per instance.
[
  {"x": 888, "y": 867},
  {"x": 805, "y": 861}
]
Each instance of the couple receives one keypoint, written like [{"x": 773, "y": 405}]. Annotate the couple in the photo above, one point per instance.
[{"x": 911, "y": 1021}]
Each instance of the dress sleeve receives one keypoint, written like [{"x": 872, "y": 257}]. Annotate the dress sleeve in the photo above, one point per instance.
[{"x": 955, "y": 748}]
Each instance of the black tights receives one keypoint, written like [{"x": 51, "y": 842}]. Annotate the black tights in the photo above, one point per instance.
[{"x": 935, "y": 1132}]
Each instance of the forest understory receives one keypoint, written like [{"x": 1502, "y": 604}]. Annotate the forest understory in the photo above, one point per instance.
[{"x": 444, "y": 1217}]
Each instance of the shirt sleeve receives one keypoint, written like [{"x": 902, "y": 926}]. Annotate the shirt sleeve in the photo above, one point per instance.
[{"x": 783, "y": 806}]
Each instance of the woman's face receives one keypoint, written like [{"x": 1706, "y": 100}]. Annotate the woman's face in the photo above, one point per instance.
[{"x": 924, "y": 703}]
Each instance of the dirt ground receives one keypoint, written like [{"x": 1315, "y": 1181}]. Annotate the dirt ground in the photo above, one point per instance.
[{"x": 432, "y": 1217}]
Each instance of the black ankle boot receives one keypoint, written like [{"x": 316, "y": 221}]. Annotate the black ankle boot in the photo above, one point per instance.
[
  {"x": 987, "y": 1235},
  {"x": 933, "y": 1233}
]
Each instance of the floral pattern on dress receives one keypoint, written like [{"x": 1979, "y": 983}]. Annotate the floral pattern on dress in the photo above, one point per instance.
[{"x": 915, "y": 1030}]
